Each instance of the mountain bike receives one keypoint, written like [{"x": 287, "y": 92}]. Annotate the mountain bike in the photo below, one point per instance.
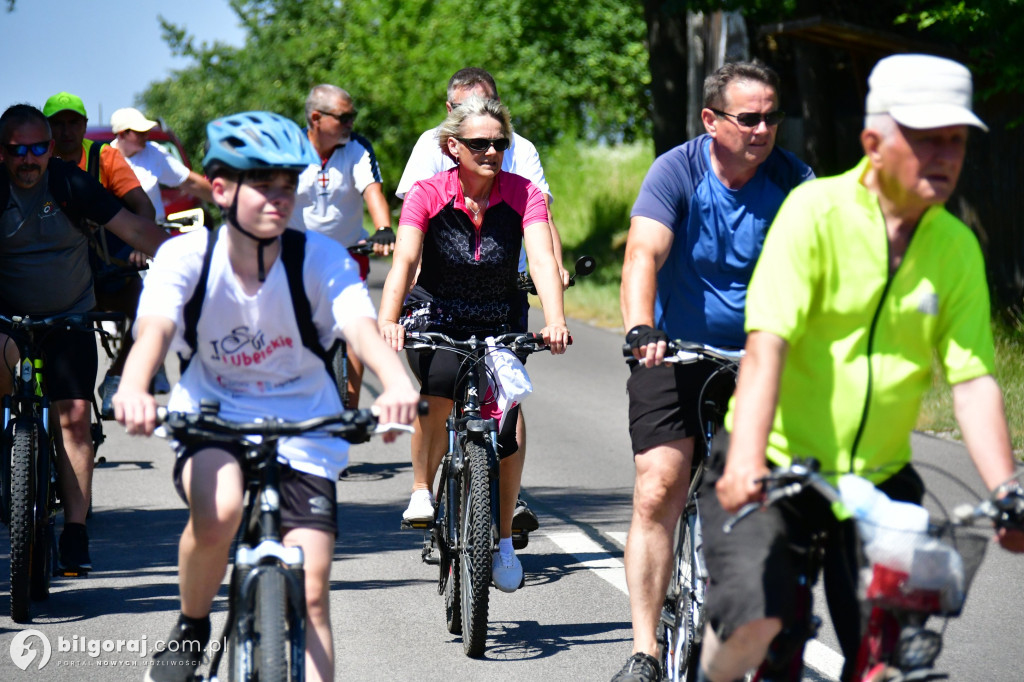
[
  {"x": 265, "y": 631},
  {"x": 464, "y": 528},
  {"x": 907, "y": 576},
  {"x": 681, "y": 627},
  {"x": 29, "y": 500}
]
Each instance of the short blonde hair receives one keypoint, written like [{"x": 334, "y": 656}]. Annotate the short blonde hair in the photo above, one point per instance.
[{"x": 473, "y": 106}]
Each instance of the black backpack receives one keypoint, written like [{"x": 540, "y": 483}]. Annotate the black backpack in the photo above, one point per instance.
[{"x": 293, "y": 255}]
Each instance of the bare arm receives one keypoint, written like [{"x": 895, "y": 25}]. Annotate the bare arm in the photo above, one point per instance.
[
  {"x": 380, "y": 214},
  {"x": 398, "y": 401},
  {"x": 544, "y": 269},
  {"x": 198, "y": 186},
  {"x": 647, "y": 247},
  {"x": 408, "y": 246},
  {"x": 138, "y": 203},
  {"x": 757, "y": 395},
  {"x": 556, "y": 243},
  {"x": 134, "y": 407},
  {"x": 978, "y": 405},
  {"x": 140, "y": 233}
]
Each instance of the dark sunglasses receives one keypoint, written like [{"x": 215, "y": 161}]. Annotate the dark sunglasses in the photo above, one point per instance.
[
  {"x": 342, "y": 118},
  {"x": 36, "y": 148},
  {"x": 482, "y": 144},
  {"x": 750, "y": 119}
]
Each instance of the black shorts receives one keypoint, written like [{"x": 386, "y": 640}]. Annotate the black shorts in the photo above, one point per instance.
[
  {"x": 70, "y": 364},
  {"x": 442, "y": 374},
  {"x": 307, "y": 501},
  {"x": 663, "y": 401},
  {"x": 753, "y": 569}
]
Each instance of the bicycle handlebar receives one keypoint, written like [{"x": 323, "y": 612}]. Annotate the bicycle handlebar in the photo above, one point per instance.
[
  {"x": 80, "y": 321},
  {"x": 686, "y": 352},
  {"x": 584, "y": 266},
  {"x": 362, "y": 249},
  {"x": 355, "y": 426},
  {"x": 517, "y": 342}
]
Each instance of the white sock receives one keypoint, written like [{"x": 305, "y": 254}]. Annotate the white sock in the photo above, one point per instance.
[{"x": 505, "y": 546}]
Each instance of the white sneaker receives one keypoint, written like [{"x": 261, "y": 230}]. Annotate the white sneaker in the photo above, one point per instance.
[
  {"x": 421, "y": 507},
  {"x": 506, "y": 572}
]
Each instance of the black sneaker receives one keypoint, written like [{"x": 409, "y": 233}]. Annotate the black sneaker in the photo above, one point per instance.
[
  {"x": 639, "y": 668},
  {"x": 523, "y": 518},
  {"x": 73, "y": 550},
  {"x": 178, "y": 659}
]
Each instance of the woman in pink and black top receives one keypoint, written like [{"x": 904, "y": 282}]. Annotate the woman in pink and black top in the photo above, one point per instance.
[{"x": 467, "y": 225}]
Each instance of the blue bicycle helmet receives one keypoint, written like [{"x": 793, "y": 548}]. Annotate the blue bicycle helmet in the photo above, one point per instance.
[{"x": 257, "y": 140}]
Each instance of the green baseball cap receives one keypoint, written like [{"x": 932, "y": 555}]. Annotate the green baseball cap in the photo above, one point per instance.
[{"x": 64, "y": 101}]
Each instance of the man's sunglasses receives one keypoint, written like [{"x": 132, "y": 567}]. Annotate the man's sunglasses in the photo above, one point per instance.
[
  {"x": 344, "y": 119},
  {"x": 482, "y": 144},
  {"x": 36, "y": 148},
  {"x": 750, "y": 119}
]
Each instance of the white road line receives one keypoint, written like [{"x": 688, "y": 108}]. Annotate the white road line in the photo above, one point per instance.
[{"x": 594, "y": 557}]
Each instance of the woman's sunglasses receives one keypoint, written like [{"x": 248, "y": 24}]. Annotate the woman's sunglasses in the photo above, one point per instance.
[{"x": 482, "y": 144}]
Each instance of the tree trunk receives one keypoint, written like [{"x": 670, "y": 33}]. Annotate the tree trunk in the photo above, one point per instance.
[{"x": 666, "y": 37}]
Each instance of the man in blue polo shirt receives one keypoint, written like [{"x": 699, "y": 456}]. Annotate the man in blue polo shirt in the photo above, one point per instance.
[{"x": 695, "y": 233}]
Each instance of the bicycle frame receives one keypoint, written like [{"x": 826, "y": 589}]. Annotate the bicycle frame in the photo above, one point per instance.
[{"x": 259, "y": 550}]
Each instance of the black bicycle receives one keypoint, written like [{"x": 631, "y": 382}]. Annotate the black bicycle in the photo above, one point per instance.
[
  {"x": 464, "y": 528},
  {"x": 681, "y": 627},
  {"x": 29, "y": 500},
  {"x": 265, "y": 631}
]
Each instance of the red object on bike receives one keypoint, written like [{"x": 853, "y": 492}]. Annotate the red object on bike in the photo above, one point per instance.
[{"x": 888, "y": 589}]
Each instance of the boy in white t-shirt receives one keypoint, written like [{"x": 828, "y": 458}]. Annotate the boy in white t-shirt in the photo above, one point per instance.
[{"x": 248, "y": 354}]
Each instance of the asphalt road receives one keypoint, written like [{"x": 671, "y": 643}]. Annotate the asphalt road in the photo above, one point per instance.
[{"x": 570, "y": 621}]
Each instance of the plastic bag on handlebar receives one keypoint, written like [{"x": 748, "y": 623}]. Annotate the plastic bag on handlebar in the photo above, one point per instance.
[{"x": 507, "y": 382}]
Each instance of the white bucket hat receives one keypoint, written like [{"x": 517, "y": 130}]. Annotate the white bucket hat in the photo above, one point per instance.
[
  {"x": 130, "y": 118},
  {"x": 922, "y": 91}
]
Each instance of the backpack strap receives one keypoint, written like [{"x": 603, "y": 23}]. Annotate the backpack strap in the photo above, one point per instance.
[
  {"x": 194, "y": 305},
  {"x": 293, "y": 254}
]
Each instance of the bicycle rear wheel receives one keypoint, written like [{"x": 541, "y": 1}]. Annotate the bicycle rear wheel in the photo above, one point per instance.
[
  {"x": 448, "y": 579},
  {"x": 475, "y": 544},
  {"x": 24, "y": 451}
]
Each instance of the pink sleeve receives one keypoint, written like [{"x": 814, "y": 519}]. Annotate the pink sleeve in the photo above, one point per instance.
[
  {"x": 536, "y": 208},
  {"x": 416, "y": 208}
]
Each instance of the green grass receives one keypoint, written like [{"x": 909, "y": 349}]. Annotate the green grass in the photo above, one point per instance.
[
  {"x": 594, "y": 188},
  {"x": 937, "y": 407}
]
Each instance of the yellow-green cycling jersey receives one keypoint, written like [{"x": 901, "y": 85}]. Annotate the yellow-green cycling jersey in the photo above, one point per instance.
[{"x": 861, "y": 339}]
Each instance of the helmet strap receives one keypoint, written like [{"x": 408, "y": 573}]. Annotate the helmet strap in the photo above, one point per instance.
[{"x": 263, "y": 242}]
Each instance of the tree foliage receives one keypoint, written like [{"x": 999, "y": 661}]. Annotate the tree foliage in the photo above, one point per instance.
[{"x": 563, "y": 69}]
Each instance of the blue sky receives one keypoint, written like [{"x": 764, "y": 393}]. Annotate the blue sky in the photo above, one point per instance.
[{"x": 104, "y": 51}]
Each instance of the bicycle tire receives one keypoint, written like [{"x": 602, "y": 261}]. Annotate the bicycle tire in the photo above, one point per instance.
[
  {"x": 448, "y": 578},
  {"x": 24, "y": 450},
  {"x": 475, "y": 544},
  {"x": 271, "y": 634},
  {"x": 688, "y": 612}
]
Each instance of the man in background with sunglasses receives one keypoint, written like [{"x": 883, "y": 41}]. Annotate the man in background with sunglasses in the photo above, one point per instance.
[
  {"x": 331, "y": 194},
  {"x": 44, "y": 258},
  {"x": 695, "y": 233}
]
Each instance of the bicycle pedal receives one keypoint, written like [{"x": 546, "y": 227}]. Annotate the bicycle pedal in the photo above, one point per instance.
[
  {"x": 430, "y": 556},
  {"x": 71, "y": 573},
  {"x": 520, "y": 539},
  {"x": 416, "y": 525}
]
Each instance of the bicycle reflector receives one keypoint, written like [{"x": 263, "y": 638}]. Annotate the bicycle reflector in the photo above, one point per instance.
[{"x": 917, "y": 648}]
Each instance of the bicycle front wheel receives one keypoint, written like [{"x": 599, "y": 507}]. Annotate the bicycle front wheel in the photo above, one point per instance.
[
  {"x": 683, "y": 617},
  {"x": 475, "y": 544},
  {"x": 24, "y": 451},
  {"x": 271, "y": 627}
]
